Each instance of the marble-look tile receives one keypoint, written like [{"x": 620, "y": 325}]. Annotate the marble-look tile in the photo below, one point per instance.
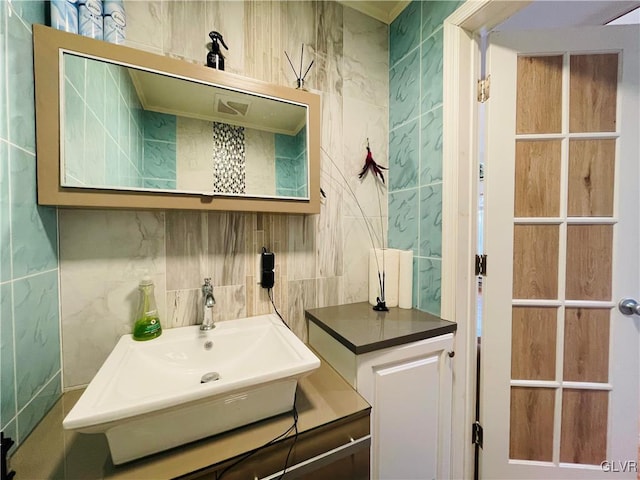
[
  {"x": 285, "y": 173},
  {"x": 258, "y": 28},
  {"x": 298, "y": 23},
  {"x": 329, "y": 48},
  {"x": 185, "y": 16},
  {"x": 159, "y": 183},
  {"x": 37, "y": 333},
  {"x": 329, "y": 225},
  {"x": 122, "y": 138},
  {"x": 111, "y": 112},
  {"x": 430, "y": 282},
  {"x": 5, "y": 212},
  {"x": 38, "y": 406},
  {"x": 366, "y": 58},
  {"x": 404, "y": 32},
  {"x": 227, "y": 17},
  {"x": 286, "y": 146},
  {"x": 330, "y": 292},
  {"x": 260, "y": 160},
  {"x": 20, "y": 83},
  {"x": 34, "y": 229},
  {"x": 111, "y": 160},
  {"x": 159, "y": 160},
  {"x": 302, "y": 295},
  {"x": 159, "y": 126},
  {"x": 333, "y": 183},
  {"x": 404, "y": 156},
  {"x": 194, "y": 153},
  {"x": 301, "y": 259},
  {"x": 362, "y": 121},
  {"x": 75, "y": 73},
  {"x": 74, "y": 157},
  {"x": 96, "y": 88},
  {"x": 94, "y": 142},
  {"x": 431, "y": 221},
  {"x": 226, "y": 248},
  {"x": 3, "y": 70},
  {"x": 404, "y": 90},
  {"x": 231, "y": 303},
  {"x": 186, "y": 246},
  {"x": 184, "y": 308},
  {"x": 359, "y": 236},
  {"x": 431, "y": 147},
  {"x": 103, "y": 256},
  {"x": 144, "y": 23},
  {"x": 8, "y": 408},
  {"x": 404, "y": 219},
  {"x": 434, "y": 13},
  {"x": 30, "y": 11},
  {"x": 431, "y": 71}
]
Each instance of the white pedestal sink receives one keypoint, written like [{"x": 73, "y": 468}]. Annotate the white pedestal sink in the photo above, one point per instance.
[{"x": 148, "y": 396}]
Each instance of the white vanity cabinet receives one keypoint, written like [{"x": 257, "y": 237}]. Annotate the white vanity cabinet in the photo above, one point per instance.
[{"x": 409, "y": 386}]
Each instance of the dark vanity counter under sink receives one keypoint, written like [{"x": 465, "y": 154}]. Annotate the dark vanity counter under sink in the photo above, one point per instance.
[{"x": 333, "y": 442}]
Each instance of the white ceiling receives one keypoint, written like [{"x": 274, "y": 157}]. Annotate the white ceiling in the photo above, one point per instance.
[
  {"x": 539, "y": 14},
  {"x": 384, "y": 10},
  {"x": 567, "y": 13}
]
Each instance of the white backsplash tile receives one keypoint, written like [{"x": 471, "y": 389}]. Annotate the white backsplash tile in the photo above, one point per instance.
[{"x": 103, "y": 256}]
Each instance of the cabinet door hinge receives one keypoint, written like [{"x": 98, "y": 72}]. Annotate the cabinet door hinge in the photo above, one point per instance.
[
  {"x": 481, "y": 265},
  {"x": 476, "y": 434},
  {"x": 483, "y": 89}
]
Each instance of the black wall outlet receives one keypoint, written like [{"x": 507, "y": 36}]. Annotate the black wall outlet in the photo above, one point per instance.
[{"x": 267, "y": 277}]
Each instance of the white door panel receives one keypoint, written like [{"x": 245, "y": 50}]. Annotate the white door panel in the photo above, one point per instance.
[{"x": 559, "y": 365}]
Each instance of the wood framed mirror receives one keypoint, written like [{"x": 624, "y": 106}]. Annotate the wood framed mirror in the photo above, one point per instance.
[{"x": 123, "y": 128}]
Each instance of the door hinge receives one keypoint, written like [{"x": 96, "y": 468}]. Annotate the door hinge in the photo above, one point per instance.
[
  {"x": 483, "y": 89},
  {"x": 481, "y": 265},
  {"x": 476, "y": 434}
]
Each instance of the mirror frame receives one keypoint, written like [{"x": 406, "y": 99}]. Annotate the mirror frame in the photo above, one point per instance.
[{"x": 47, "y": 45}]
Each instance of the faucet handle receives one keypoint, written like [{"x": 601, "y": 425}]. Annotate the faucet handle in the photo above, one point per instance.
[{"x": 207, "y": 282}]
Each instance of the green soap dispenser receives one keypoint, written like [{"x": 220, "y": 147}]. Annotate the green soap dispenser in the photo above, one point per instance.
[{"x": 147, "y": 324}]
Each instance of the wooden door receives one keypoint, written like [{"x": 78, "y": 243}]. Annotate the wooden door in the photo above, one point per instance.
[{"x": 559, "y": 392}]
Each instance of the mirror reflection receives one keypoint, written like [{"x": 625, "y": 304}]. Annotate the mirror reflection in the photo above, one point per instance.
[{"x": 127, "y": 128}]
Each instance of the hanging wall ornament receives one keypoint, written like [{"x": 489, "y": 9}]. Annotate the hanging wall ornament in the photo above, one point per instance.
[{"x": 299, "y": 76}]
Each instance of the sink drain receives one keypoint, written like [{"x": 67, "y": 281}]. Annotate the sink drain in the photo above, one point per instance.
[{"x": 210, "y": 377}]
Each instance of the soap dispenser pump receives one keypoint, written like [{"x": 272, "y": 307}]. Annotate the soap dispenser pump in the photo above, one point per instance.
[
  {"x": 147, "y": 323},
  {"x": 215, "y": 59}
]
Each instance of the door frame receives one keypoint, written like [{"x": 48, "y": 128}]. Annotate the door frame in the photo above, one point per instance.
[
  {"x": 459, "y": 206},
  {"x": 461, "y": 70}
]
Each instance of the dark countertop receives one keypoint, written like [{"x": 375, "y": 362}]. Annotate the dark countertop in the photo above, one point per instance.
[{"x": 361, "y": 329}]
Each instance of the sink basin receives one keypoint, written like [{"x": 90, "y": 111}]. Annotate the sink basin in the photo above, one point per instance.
[{"x": 188, "y": 384}]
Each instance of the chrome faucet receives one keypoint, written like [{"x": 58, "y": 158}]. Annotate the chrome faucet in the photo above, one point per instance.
[{"x": 208, "y": 301}]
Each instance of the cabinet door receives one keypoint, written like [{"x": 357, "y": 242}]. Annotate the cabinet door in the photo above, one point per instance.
[{"x": 409, "y": 388}]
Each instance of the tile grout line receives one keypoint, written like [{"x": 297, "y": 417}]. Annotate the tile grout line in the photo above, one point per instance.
[{"x": 419, "y": 173}]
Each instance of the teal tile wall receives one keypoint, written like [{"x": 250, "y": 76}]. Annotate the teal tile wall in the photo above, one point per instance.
[
  {"x": 159, "y": 158},
  {"x": 415, "y": 143},
  {"x": 291, "y": 171},
  {"x": 301, "y": 140},
  {"x": 29, "y": 320},
  {"x": 103, "y": 122}
]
